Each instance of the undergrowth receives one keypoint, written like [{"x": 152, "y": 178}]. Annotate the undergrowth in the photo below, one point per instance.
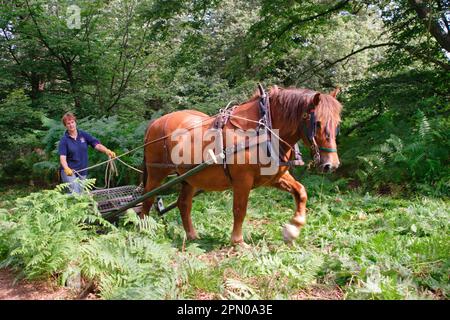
[{"x": 354, "y": 246}]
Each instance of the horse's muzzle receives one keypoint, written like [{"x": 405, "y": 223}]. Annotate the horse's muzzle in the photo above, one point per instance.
[{"x": 328, "y": 167}]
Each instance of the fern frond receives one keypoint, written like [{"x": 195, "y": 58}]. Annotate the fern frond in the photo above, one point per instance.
[
  {"x": 62, "y": 187},
  {"x": 424, "y": 126},
  {"x": 88, "y": 184}
]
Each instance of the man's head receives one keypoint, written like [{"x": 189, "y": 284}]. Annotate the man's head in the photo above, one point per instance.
[{"x": 70, "y": 121}]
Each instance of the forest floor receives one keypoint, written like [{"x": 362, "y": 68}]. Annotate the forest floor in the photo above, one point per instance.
[
  {"x": 12, "y": 288},
  {"x": 355, "y": 246}
]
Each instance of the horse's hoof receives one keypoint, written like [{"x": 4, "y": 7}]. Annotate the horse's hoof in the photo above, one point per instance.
[
  {"x": 238, "y": 241},
  {"x": 241, "y": 246},
  {"x": 299, "y": 221},
  {"x": 192, "y": 236},
  {"x": 290, "y": 233}
]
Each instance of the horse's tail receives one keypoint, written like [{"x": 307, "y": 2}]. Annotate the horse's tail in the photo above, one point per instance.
[{"x": 144, "y": 172}]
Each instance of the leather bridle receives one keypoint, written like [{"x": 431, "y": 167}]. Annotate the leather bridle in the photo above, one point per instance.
[{"x": 311, "y": 131}]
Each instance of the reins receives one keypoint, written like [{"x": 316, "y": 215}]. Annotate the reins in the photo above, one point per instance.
[
  {"x": 139, "y": 147},
  {"x": 264, "y": 122}
]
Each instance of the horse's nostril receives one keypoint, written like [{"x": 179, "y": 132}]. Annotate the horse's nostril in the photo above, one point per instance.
[{"x": 327, "y": 167}]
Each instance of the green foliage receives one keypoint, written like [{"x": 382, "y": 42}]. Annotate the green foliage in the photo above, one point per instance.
[
  {"x": 415, "y": 42},
  {"x": 17, "y": 118},
  {"x": 394, "y": 139},
  {"x": 50, "y": 234},
  {"x": 351, "y": 241},
  {"x": 19, "y": 136},
  {"x": 354, "y": 246},
  {"x": 135, "y": 60},
  {"x": 42, "y": 234}
]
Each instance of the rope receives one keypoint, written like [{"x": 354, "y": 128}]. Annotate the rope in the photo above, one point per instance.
[
  {"x": 141, "y": 146},
  {"x": 270, "y": 130},
  {"x": 131, "y": 167},
  {"x": 112, "y": 169}
]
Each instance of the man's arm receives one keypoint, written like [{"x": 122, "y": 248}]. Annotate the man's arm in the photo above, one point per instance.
[
  {"x": 105, "y": 150},
  {"x": 63, "y": 161},
  {"x": 62, "y": 150}
]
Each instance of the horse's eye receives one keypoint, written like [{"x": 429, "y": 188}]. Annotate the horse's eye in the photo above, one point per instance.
[
  {"x": 318, "y": 125},
  {"x": 305, "y": 116}
]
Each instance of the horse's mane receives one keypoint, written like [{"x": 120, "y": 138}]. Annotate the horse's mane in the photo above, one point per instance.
[{"x": 293, "y": 102}]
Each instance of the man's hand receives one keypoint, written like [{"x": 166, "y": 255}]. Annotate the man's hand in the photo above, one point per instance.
[
  {"x": 68, "y": 171},
  {"x": 111, "y": 154}
]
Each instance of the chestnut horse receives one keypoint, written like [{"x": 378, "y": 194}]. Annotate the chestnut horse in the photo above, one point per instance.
[{"x": 291, "y": 110}]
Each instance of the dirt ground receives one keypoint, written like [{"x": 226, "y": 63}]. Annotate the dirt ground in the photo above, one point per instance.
[{"x": 12, "y": 289}]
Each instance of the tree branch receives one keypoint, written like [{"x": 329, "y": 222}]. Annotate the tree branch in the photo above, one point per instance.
[
  {"x": 11, "y": 52},
  {"x": 431, "y": 24},
  {"x": 42, "y": 38},
  {"x": 361, "y": 124},
  {"x": 326, "y": 64},
  {"x": 426, "y": 57},
  {"x": 125, "y": 80},
  {"x": 296, "y": 21},
  {"x": 443, "y": 15}
]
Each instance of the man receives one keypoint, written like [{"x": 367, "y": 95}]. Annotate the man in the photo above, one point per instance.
[{"x": 73, "y": 152}]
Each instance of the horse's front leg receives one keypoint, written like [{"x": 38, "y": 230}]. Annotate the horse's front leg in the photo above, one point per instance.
[
  {"x": 288, "y": 183},
  {"x": 241, "y": 191}
]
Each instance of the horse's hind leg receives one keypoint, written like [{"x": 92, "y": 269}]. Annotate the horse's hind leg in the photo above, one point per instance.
[
  {"x": 241, "y": 192},
  {"x": 154, "y": 179},
  {"x": 289, "y": 184},
  {"x": 185, "y": 205}
]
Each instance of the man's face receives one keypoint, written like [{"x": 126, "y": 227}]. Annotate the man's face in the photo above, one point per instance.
[{"x": 71, "y": 125}]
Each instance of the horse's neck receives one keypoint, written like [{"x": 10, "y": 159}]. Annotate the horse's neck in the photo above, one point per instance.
[
  {"x": 250, "y": 111},
  {"x": 286, "y": 132}
]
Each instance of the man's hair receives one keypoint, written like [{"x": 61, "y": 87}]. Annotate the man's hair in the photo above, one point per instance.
[{"x": 68, "y": 116}]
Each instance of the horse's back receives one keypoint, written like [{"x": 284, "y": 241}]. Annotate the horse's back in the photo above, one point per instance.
[
  {"x": 183, "y": 116},
  {"x": 175, "y": 120}
]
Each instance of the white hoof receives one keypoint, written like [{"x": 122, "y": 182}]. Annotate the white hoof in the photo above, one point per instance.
[{"x": 290, "y": 232}]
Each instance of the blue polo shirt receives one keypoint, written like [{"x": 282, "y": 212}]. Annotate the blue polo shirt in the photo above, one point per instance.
[{"x": 76, "y": 150}]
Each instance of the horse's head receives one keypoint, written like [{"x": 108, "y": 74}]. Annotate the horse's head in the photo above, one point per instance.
[
  {"x": 312, "y": 116},
  {"x": 321, "y": 120}
]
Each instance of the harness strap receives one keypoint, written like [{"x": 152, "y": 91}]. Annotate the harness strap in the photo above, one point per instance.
[
  {"x": 327, "y": 149},
  {"x": 265, "y": 122},
  {"x": 219, "y": 123},
  {"x": 312, "y": 125},
  {"x": 166, "y": 148},
  {"x": 298, "y": 160}
]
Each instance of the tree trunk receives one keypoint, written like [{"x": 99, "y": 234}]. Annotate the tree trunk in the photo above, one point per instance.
[
  {"x": 431, "y": 23},
  {"x": 73, "y": 87}
]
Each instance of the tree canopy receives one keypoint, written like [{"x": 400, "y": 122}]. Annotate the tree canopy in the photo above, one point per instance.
[{"x": 135, "y": 60}]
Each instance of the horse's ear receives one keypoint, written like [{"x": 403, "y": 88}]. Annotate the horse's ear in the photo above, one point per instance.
[
  {"x": 335, "y": 92},
  {"x": 274, "y": 90},
  {"x": 316, "y": 99}
]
